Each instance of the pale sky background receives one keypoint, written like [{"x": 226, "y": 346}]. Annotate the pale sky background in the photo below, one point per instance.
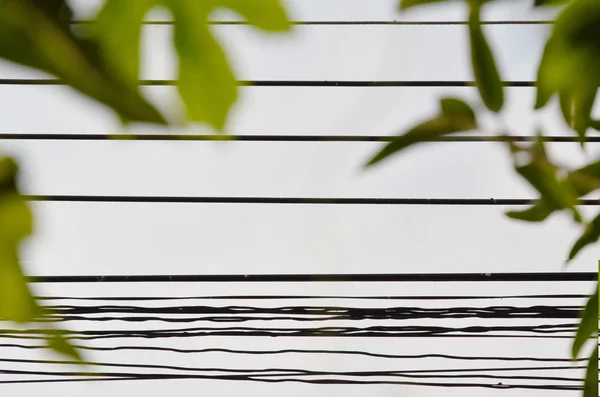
[{"x": 80, "y": 238}]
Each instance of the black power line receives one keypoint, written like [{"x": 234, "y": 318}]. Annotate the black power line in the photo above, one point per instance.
[
  {"x": 286, "y": 200},
  {"x": 301, "y": 351},
  {"x": 357, "y": 23},
  {"x": 280, "y": 138},
  {"x": 302, "y": 297},
  {"x": 299, "y": 83},
  {"x": 383, "y": 277}
]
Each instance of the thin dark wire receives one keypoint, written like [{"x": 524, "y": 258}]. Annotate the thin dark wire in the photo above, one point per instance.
[
  {"x": 360, "y": 277},
  {"x": 306, "y": 381},
  {"x": 284, "y": 200},
  {"x": 299, "y": 83},
  {"x": 299, "y": 351},
  {"x": 546, "y": 331},
  {"x": 285, "y": 372},
  {"x": 297, "y": 371},
  {"x": 303, "y": 313},
  {"x": 280, "y": 138},
  {"x": 354, "y": 23},
  {"x": 299, "y": 297}
]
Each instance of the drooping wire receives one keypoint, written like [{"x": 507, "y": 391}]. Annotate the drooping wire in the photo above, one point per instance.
[
  {"x": 344, "y": 278},
  {"x": 298, "y": 83},
  {"x": 355, "y": 23},
  {"x": 299, "y": 351},
  {"x": 282, "y": 138},
  {"x": 299, "y": 297}
]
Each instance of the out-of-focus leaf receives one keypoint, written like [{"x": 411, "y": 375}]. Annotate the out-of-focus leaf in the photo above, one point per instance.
[
  {"x": 37, "y": 34},
  {"x": 268, "y": 15},
  {"x": 538, "y": 212},
  {"x": 595, "y": 124},
  {"x": 570, "y": 65},
  {"x": 406, "y": 4},
  {"x": 16, "y": 301},
  {"x": 485, "y": 70},
  {"x": 588, "y": 325},
  {"x": 118, "y": 29},
  {"x": 590, "y": 235},
  {"x": 583, "y": 181},
  {"x": 542, "y": 175},
  {"x": 541, "y": 3},
  {"x": 206, "y": 82},
  {"x": 455, "y": 116},
  {"x": 57, "y": 342},
  {"x": 590, "y": 387}
]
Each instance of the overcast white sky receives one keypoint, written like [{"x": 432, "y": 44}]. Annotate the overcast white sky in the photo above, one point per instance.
[{"x": 181, "y": 239}]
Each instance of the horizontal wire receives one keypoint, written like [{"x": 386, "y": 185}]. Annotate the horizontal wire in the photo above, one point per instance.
[
  {"x": 354, "y": 23},
  {"x": 302, "y": 351},
  {"x": 295, "y": 371},
  {"x": 360, "y": 277},
  {"x": 545, "y": 331},
  {"x": 247, "y": 313},
  {"x": 280, "y": 297},
  {"x": 285, "y": 372},
  {"x": 306, "y": 381},
  {"x": 71, "y": 198},
  {"x": 281, "y": 138},
  {"x": 298, "y": 83}
]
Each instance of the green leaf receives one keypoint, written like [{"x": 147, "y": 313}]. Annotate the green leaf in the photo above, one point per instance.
[
  {"x": 268, "y": 15},
  {"x": 16, "y": 301},
  {"x": 57, "y": 342},
  {"x": 570, "y": 65},
  {"x": 406, "y": 4},
  {"x": 455, "y": 116},
  {"x": 118, "y": 29},
  {"x": 542, "y": 175},
  {"x": 486, "y": 73},
  {"x": 538, "y": 212},
  {"x": 554, "y": 3},
  {"x": 54, "y": 48},
  {"x": 590, "y": 387},
  {"x": 206, "y": 82},
  {"x": 582, "y": 181},
  {"x": 590, "y": 235},
  {"x": 588, "y": 325},
  {"x": 595, "y": 124}
]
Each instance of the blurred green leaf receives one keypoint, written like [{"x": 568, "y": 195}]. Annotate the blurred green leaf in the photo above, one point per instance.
[
  {"x": 206, "y": 83},
  {"x": 590, "y": 387},
  {"x": 541, "y": 3},
  {"x": 588, "y": 325},
  {"x": 455, "y": 116},
  {"x": 118, "y": 30},
  {"x": 16, "y": 301},
  {"x": 582, "y": 181},
  {"x": 37, "y": 34},
  {"x": 542, "y": 175},
  {"x": 57, "y": 342},
  {"x": 595, "y": 124},
  {"x": 590, "y": 235},
  {"x": 486, "y": 73},
  {"x": 570, "y": 65},
  {"x": 406, "y": 4},
  {"x": 268, "y": 15}
]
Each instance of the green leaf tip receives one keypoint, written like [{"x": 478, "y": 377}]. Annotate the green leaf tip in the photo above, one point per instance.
[
  {"x": 455, "y": 116},
  {"x": 486, "y": 73}
]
